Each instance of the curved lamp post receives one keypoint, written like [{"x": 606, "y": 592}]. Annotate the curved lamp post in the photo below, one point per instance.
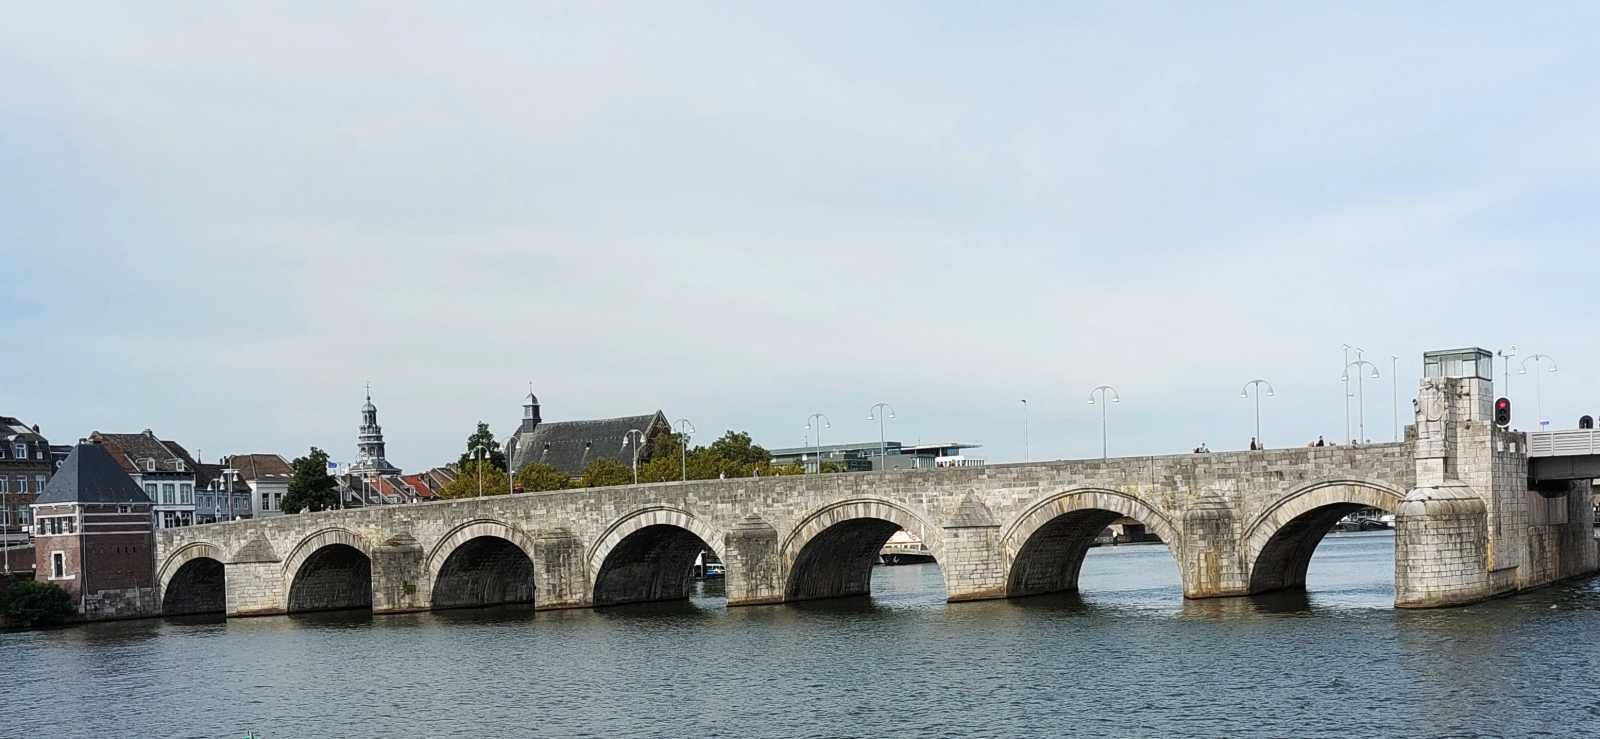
[
  {"x": 1361, "y": 397},
  {"x": 825, "y": 425},
  {"x": 511, "y": 478},
  {"x": 1394, "y": 392},
  {"x": 883, "y": 461},
  {"x": 1245, "y": 393},
  {"x": 684, "y": 429},
  {"x": 1115, "y": 398},
  {"x": 1538, "y": 391},
  {"x": 629, "y": 437},
  {"x": 1024, "y": 429},
  {"x": 480, "y": 453}
]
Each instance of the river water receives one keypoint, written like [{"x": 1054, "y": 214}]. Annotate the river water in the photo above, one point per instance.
[{"x": 1126, "y": 658}]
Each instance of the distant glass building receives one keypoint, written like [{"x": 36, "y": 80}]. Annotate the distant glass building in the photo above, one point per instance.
[{"x": 864, "y": 457}]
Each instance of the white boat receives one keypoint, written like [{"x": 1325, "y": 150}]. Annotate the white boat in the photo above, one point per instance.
[{"x": 904, "y": 548}]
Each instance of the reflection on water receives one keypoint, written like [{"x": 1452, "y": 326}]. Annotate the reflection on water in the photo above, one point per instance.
[{"x": 1125, "y": 657}]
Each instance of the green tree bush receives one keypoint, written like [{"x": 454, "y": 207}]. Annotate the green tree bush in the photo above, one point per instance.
[
  {"x": 34, "y": 603},
  {"x": 606, "y": 472},
  {"x": 311, "y": 489},
  {"x": 539, "y": 477},
  {"x": 485, "y": 438},
  {"x": 495, "y": 482}
]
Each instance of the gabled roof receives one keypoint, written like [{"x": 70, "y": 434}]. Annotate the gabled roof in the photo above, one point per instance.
[
  {"x": 570, "y": 446},
  {"x": 12, "y": 428},
  {"x": 269, "y": 467},
  {"x": 90, "y": 475},
  {"x": 205, "y": 474},
  {"x": 129, "y": 449}
]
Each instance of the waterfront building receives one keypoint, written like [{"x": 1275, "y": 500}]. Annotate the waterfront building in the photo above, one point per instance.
[
  {"x": 267, "y": 478},
  {"x": 162, "y": 468},
  {"x": 866, "y": 456},
  {"x": 94, "y": 536},
  {"x": 26, "y": 465},
  {"x": 570, "y": 446},
  {"x": 219, "y": 494}
]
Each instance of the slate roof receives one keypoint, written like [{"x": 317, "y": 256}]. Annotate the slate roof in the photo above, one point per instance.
[
  {"x": 91, "y": 475},
  {"x": 269, "y": 467},
  {"x": 205, "y": 474},
  {"x": 570, "y": 446},
  {"x": 129, "y": 449}
]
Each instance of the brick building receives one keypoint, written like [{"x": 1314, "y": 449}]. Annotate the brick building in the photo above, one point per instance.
[
  {"x": 161, "y": 467},
  {"x": 25, "y": 467},
  {"x": 94, "y": 536}
]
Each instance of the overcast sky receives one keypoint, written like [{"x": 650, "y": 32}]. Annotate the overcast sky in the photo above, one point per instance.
[{"x": 220, "y": 221}]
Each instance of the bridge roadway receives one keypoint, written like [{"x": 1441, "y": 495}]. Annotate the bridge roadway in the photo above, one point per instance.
[{"x": 1237, "y": 523}]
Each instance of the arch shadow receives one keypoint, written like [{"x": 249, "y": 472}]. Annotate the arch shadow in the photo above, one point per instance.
[
  {"x": 647, "y": 556},
  {"x": 197, "y": 586},
  {"x": 1281, "y": 540},
  {"x": 480, "y": 563},
  {"x": 830, "y": 553},
  {"x": 330, "y": 570},
  {"x": 1046, "y": 546}
]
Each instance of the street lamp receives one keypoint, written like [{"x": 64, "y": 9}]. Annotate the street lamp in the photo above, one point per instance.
[
  {"x": 1115, "y": 398},
  {"x": 684, "y": 429},
  {"x": 480, "y": 452},
  {"x": 1538, "y": 391},
  {"x": 825, "y": 425},
  {"x": 511, "y": 478},
  {"x": 625, "y": 439},
  {"x": 1024, "y": 429},
  {"x": 1346, "y": 392},
  {"x": 1361, "y": 399},
  {"x": 1394, "y": 390},
  {"x": 1245, "y": 393},
  {"x": 883, "y": 461},
  {"x": 1505, "y": 354}
]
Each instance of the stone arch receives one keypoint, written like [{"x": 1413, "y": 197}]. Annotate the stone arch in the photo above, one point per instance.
[
  {"x": 327, "y": 570},
  {"x": 831, "y": 551},
  {"x": 1045, "y": 547},
  {"x": 1280, "y": 541},
  {"x": 481, "y": 562},
  {"x": 193, "y": 580},
  {"x": 176, "y": 560},
  {"x": 646, "y": 555}
]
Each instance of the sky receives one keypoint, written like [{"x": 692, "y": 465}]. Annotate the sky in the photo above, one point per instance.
[{"x": 220, "y": 222}]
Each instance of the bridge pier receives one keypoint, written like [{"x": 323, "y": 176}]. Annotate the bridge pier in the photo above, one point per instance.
[
  {"x": 399, "y": 580},
  {"x": 753, "y": 570},
  {"x": 1212, "y": 565}
]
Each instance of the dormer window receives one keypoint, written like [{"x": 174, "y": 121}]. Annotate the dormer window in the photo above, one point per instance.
[
  {"x": 177, "y": 464},
  {"x": 149, "y": 465},
  {"x": 20, "y": 451}
]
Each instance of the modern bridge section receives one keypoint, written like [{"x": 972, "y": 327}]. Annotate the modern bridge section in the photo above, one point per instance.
[
  {"x": 1558, "y": 456},
  {"x": 1469, "y": 527}
]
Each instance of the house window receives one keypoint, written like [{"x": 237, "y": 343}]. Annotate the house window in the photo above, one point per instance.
[
  {"x": 149, "y": 465},
  {"x": 58, "y": 565},
  {"x": 266, "y": 502},
  {"x": 22, "y": 483},
  {"x": 4, "y": 484},
  {"x": 38, "y": 483},
  {"x": 26, "y": 515},
  {"x": 168, "y": 492},
  {"x": 20, "y": 451},
  {"x": 177, "y": 464},
  {"x": 277, "y": 501},
  {"x": 150, "y": 491},
  {"x": 169, "y": 519},
  {"x": 186, "y": 494}
]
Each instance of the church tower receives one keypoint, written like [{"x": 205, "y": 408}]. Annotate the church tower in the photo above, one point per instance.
[
  {"x": 530, "y": 413},
  {"x": 369, "y": 445}
]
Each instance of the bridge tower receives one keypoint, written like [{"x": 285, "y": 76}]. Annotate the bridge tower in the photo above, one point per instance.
[{"x": 1464, "y": 533}]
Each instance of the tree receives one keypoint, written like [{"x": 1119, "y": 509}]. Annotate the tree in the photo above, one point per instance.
[
  {"x": 737, "y": 448},
  {"x": 495, "y": 482},
  {"x": 605, "y": 472},
  {"x": 485, "y": 438},
  {"x": 311, "y": 489},
  {"x": 538, "y": 477},
  {"x": 666, "y": 460},
  {"x": 34, "y": 603}
]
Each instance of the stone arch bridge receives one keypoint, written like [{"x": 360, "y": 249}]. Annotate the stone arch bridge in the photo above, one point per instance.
[{"x": 1236, "y": 523}]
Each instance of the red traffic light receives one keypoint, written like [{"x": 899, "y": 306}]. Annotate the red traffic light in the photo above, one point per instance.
[{"x": 1502, "y": 412}]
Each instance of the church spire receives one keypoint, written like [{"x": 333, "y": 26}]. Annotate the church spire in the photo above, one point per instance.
[
  {"x": 530, "y": 411},
  {"x": 369, "y": 444}
]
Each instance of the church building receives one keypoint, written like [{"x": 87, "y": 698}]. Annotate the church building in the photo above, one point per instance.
[{"x": 570, "y": 446}]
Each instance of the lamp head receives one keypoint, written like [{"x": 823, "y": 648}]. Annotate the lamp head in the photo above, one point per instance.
[
  {"x": 1245, "y": 394},
  {"x": 1116, "y": 399},
  {"x": 1344, "y": 377},
  {"x": 1374, "y": 373},
  {"x": 1091, "y": 400},
  {"x": 891, "y": 413},
  {"x": 1522, "y": 371},
  {"x": 1269, "y": 392}
]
